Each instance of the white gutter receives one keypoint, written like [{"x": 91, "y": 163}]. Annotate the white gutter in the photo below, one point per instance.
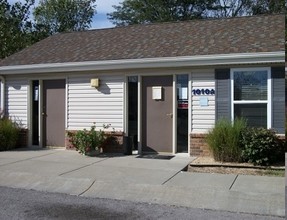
[
  {"x": 183, "y": 61},
  {"x": 2, "y": 92}
]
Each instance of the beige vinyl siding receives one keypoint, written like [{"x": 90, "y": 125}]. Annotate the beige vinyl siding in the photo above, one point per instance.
[
  {"x": 16, "y": 103},
  {"x": 103, "y": 105},
  {"x": 202, "y": 117}
]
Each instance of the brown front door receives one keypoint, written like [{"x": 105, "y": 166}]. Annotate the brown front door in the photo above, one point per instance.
[
  {"x": 157, "y": 114},
  {"x": 54, "y": 112}
]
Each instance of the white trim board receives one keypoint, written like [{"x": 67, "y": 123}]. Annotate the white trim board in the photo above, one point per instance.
[{"x": 182, "y": 61}]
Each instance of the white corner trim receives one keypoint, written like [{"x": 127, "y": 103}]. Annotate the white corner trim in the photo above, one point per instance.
[
  {"x": 2, "y": 93},
  {"x": 183, "y": 61}
]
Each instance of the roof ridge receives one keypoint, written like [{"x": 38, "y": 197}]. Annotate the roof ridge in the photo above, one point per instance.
[{"x": 174, "y": 22}]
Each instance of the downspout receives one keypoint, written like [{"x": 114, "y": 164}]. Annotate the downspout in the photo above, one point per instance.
[{"x": 2, "y": 92}]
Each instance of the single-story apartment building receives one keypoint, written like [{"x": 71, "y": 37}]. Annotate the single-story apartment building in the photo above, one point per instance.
[{"x": 164, "y": 84}]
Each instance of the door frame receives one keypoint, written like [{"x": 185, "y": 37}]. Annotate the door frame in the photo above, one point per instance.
[
  {"x": 174, "y": 108},
  {"x": 30, "y": 102}
]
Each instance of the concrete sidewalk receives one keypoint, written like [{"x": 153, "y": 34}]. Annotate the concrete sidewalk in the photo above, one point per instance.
[{"x": 142, "y": 180}]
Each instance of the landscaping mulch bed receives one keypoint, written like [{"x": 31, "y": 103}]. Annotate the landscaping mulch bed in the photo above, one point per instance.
[{"x": 209, "y": 165}]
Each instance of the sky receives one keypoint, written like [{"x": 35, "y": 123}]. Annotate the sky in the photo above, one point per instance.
[
  {"x": 103, "y": 7},
  {"x": 100, "y": 20}
]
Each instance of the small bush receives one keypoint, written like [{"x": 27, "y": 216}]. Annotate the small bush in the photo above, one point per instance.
[
  {"x": 86, "y": 141},
  {"x": 224, "y": 140},
  {"x": 261, "y": 146},
  {"x": 9, "y": 132}
]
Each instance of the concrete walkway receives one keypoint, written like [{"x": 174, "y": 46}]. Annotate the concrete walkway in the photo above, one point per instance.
[{"x": 141, "y": 180}]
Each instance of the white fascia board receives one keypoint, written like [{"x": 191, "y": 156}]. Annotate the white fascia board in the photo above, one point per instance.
[{"x": 162, "y": 62}]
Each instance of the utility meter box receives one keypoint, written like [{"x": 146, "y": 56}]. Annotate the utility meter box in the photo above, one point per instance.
[{"x": 157, "y": 92}]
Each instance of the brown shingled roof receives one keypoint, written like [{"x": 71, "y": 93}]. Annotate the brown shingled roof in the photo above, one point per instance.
[{"x": 189, "y": 38}]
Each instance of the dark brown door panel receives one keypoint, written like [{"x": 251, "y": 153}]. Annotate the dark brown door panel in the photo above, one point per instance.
[
  {"x": 54, "y": 112},
  {"x": 157, "y": 114}
]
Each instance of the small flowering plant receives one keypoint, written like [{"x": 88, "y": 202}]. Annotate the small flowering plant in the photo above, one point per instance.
[{"x": 86, "y": 141}]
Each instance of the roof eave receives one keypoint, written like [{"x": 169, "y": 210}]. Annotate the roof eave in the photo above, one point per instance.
[{"x": 161, "y": 62}]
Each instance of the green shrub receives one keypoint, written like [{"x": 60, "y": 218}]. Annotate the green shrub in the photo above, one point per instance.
[
  {"x": 9, "y": 132},
  {"x": 86, "y": 141},
  {"x": 224, "y": 140},
  {"x": 261, "y": 146}
]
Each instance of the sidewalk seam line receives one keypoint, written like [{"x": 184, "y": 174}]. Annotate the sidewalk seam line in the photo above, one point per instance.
[
  {"x": 83, "y": 167},
  {"x": 18, "y": 161},
  {"x": 171, "y": 177},
  {"x": 87, "y": 188},
  {"x": 233, "y": 182}
]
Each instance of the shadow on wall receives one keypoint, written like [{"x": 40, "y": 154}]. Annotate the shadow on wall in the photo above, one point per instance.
[
  {"x": 16, "y": 86},
  {"x": 163, "y": 95},
  {"x": 148, "y": 149},
  {"x": 104, "y": 88}
]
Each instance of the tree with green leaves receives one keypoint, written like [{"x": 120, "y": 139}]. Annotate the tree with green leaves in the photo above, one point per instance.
[
  {"x": 149, "y": 11},
  {"x": 16, "y": 29},
  {"x": 268, "y": 6},
  {"x": 235, "y": 8},
  {"x": 232, "y": 8},
  {"x": 55, "y": 16}
]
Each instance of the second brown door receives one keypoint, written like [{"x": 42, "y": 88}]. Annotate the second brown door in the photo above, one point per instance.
[{"x": 157, "y": 114}]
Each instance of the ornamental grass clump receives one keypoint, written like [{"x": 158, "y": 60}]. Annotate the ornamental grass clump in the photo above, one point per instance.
[{"x": 224, "y": 140}]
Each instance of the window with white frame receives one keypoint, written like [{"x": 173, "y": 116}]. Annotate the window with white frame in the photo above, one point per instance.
[{"x": 251, "y": 96}]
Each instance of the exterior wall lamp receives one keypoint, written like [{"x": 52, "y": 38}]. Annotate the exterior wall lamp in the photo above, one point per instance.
[{"x": 95, "y": 83}]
